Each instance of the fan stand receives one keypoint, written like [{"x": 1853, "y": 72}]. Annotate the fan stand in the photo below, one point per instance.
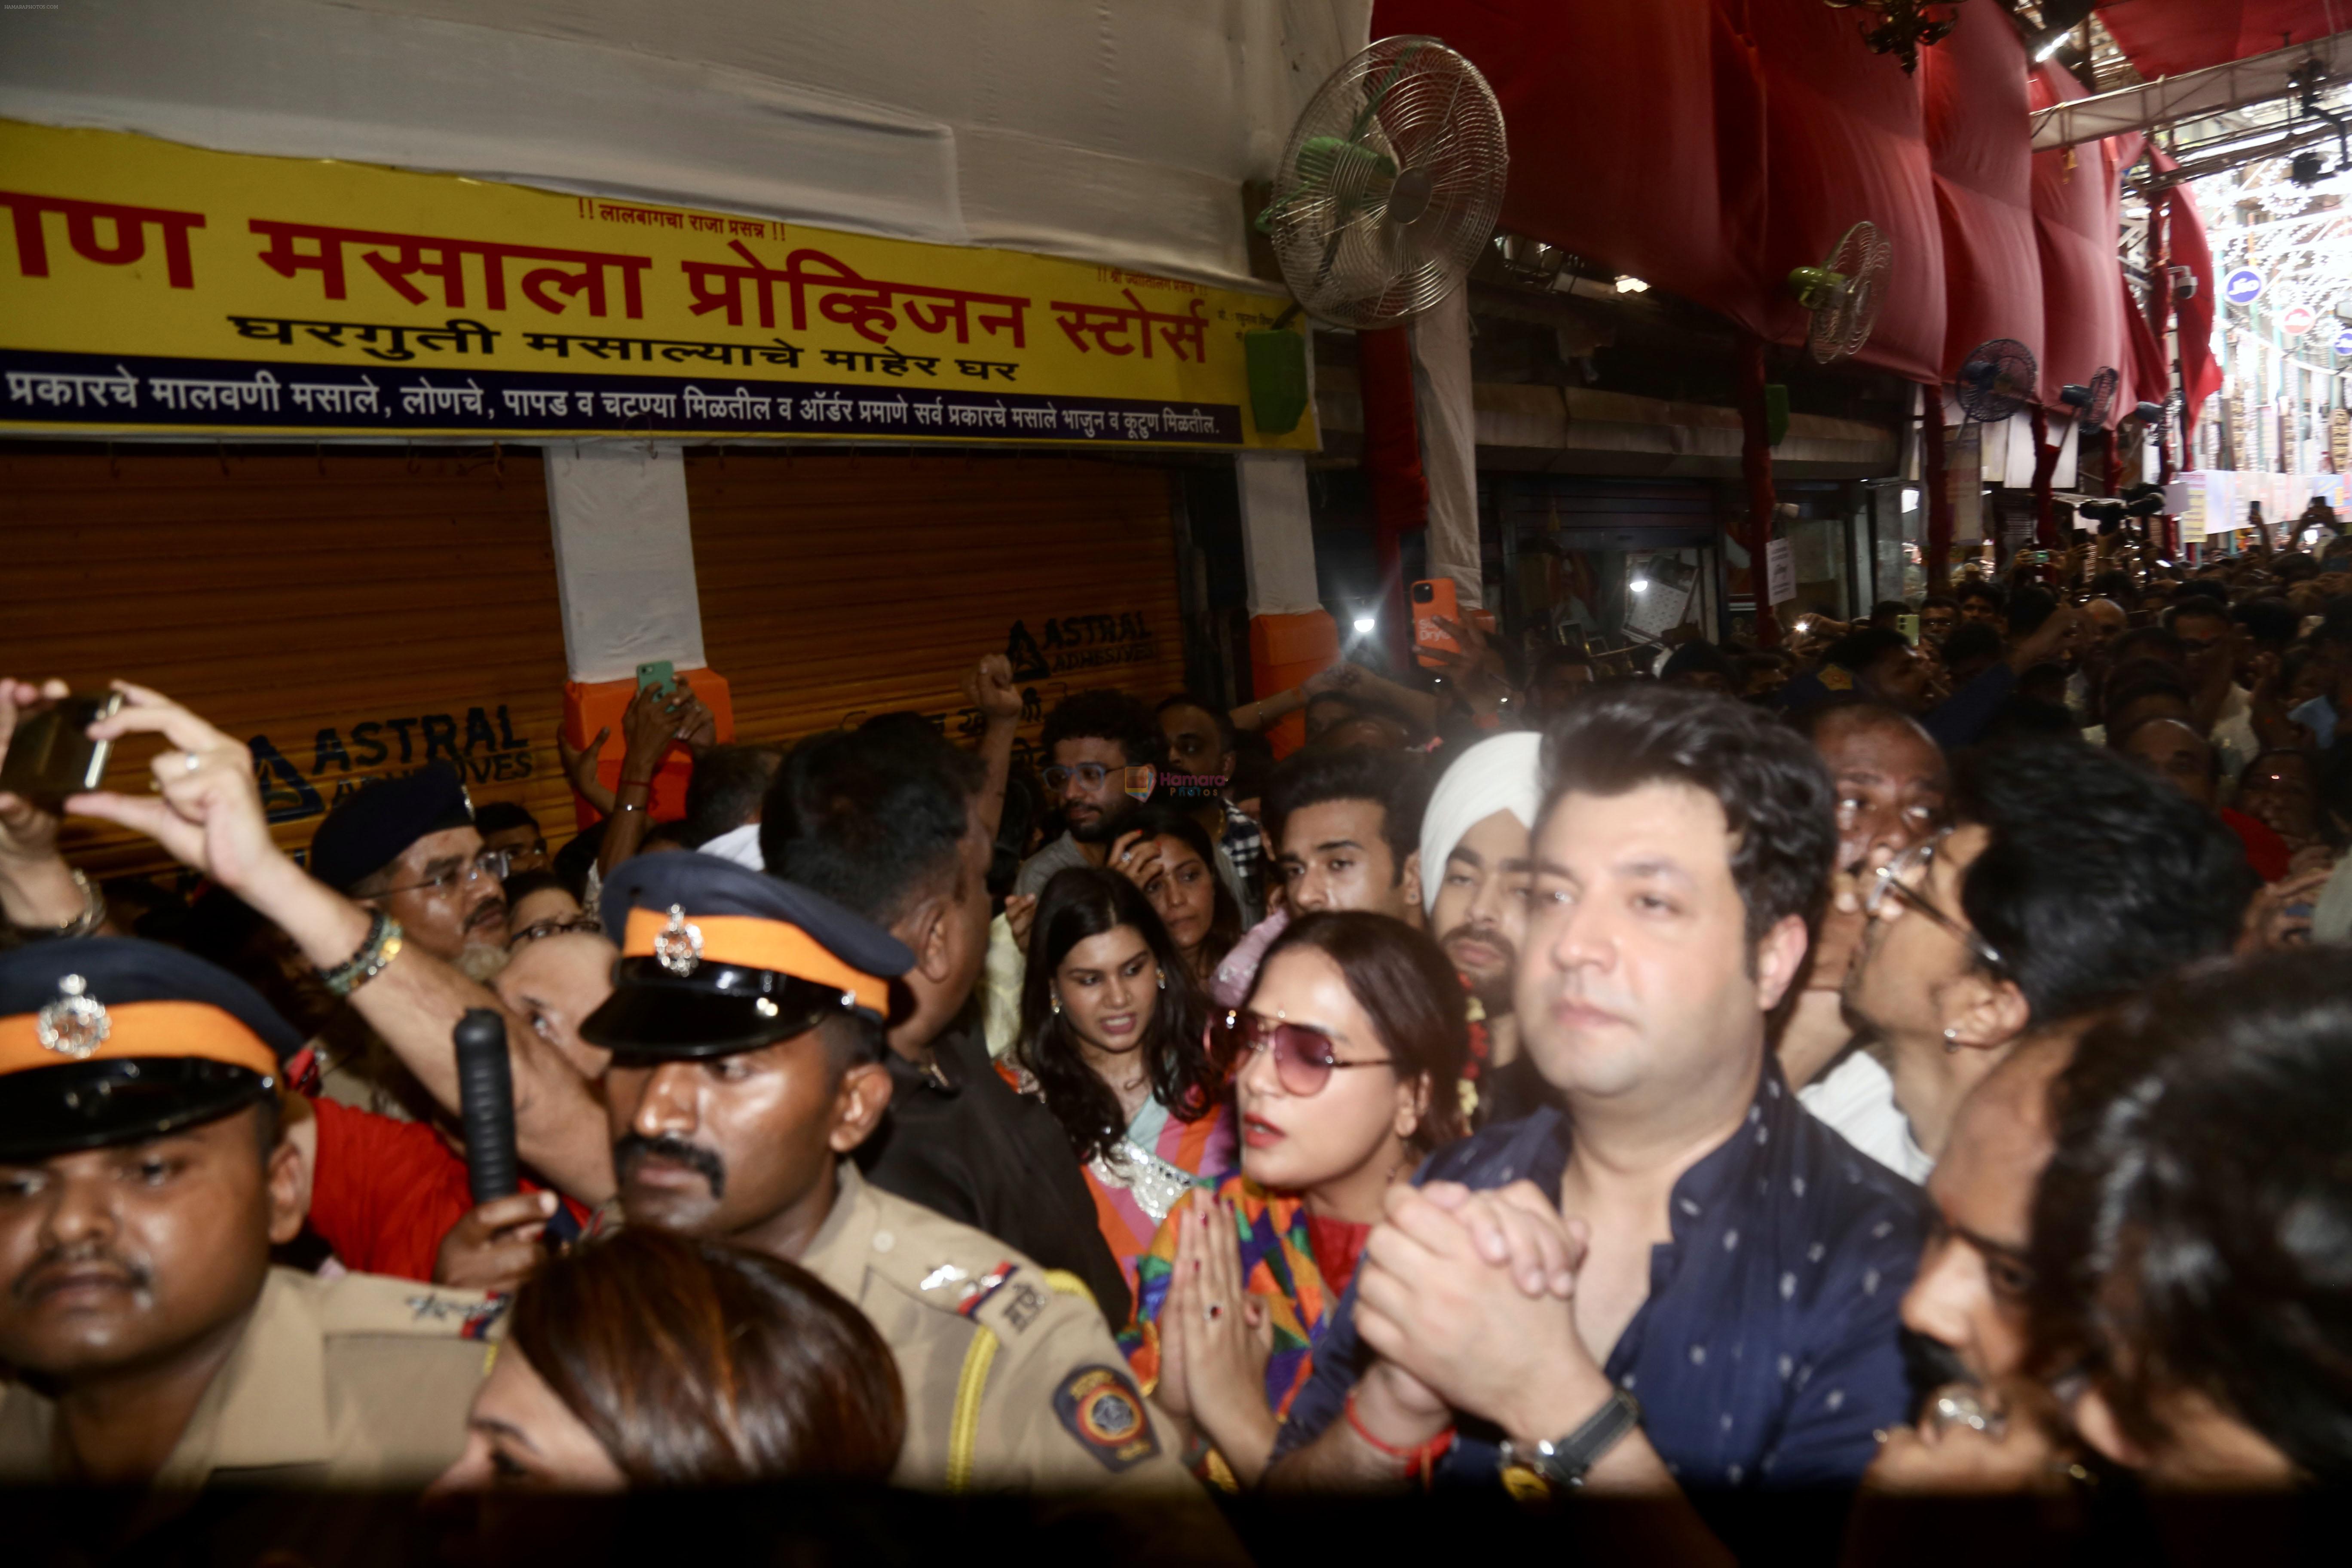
[
  {"x": 1939, "y": 493},
  {"x": 1756, "y": 468},
  {"x": 2045, "y": 464}
]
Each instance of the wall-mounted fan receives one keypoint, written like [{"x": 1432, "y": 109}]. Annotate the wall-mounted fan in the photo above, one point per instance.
[
  {"x": 1996, "y": 381},
  {"x": 1844, "y": 292},
  {"x": 1388, "y": 188},
  {"x": 2091, "y": 403}
]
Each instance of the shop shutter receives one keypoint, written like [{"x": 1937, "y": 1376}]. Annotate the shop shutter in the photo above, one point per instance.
[
  {"x": 348, "y": 613},
  {"x": 836, "y": 586}
]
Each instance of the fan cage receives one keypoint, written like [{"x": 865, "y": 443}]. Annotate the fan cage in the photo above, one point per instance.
[{"x": 1406, "y": 104}]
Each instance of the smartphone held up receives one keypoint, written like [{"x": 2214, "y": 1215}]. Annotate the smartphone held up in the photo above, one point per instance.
[{"x": 50, "y": 755}]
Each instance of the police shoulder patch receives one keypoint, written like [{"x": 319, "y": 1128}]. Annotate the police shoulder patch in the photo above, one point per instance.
[{"x": 1103, "y": 1410}]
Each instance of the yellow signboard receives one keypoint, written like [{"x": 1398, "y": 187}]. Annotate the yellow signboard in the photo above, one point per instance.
[{"x": 152, "y": 286}]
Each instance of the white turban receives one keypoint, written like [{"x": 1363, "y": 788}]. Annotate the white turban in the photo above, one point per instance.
[{"x": 1501, "y": 774}]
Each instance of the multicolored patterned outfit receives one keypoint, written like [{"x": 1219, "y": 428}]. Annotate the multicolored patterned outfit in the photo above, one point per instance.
[
  {"x": 1296, "y": 1264},
  {"x": 1159, "y": 1161}
]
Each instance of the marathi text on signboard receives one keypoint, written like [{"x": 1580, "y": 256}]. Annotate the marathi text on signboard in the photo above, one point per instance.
[{"x": 155, "y": 287}]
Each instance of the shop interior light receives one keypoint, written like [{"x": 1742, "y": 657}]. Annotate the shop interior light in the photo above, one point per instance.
[
  {"x": 1364, "y": 625},
  {"x": 1640, "y": 584},
  {"x": 1910, "y": 500},
  {"x": 1631, "y": 286},
  {"x": 2056, "y": 42}
]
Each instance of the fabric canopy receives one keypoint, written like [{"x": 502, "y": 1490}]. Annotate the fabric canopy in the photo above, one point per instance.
[
  {"x": 2166, "y": 37},
  {"x": 1973, "y": 89},
  {"x": 1709, "y": 146}
]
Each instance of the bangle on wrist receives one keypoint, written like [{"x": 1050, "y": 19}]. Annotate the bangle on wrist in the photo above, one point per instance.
[
  {"x": 92, "y": 916},
  {"x": 1418, "y": 1462},
  {"x": 375, "y": 955}
]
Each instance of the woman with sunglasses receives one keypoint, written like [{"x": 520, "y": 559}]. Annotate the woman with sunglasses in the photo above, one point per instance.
[
  {"x": 1111, "y": 1029},
  {"x": 1347, "y": 1061}
]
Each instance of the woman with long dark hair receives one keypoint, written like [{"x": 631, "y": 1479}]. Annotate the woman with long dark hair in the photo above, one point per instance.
[
  {"x": 1111, "y": 1038},
  {"x": 651, "y": 1359},
  {"x": 1169, "y": 856},
  {"x": 1347, "y": 1064}
]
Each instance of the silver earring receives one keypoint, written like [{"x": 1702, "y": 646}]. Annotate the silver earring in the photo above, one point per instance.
[
  {"x": 1057, "y": 1004},
  {"x": 1952, "y": 1041},
  {"x": 1163, "y": 980}
]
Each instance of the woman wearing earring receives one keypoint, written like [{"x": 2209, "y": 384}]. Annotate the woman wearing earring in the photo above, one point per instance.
[
  {"x": 1347, "y": 1062},
  {"x": 1111, "y": 1028}
]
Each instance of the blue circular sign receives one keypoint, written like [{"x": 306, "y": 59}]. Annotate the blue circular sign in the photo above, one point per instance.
[
  {"x": 2343, "y": 341},
  {"x": 2242, "y": 286}
]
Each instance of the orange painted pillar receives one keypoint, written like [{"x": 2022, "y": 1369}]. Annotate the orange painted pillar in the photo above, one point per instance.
[
  {"x": 1283, "y": 651},
  {"x": 590, "y": 706}
]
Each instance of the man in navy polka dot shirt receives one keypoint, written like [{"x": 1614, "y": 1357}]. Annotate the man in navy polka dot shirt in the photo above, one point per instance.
[{"x": 1680, "y": 1284}]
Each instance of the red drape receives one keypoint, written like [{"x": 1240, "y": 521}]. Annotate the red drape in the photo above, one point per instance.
[
  {"x": 2200, "y": 378},
  {"x": 1972, "y": 88},
  {"x": 2164, "y": 38}
]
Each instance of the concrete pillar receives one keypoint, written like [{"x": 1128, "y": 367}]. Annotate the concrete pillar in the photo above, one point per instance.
[{"x": 625, "y": 576}]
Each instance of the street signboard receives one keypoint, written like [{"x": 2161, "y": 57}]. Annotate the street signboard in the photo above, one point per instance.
[
  {"x": 2344, "y": 340},
  {"x": 2297, "y": 320},
  {"x": 2242, "y": 286}
]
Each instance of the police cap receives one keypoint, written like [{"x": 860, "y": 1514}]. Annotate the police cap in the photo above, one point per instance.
[
  {"x": 717, "y": 958},
  {"x": 374, "y": 827},
  {"x": 111, "y": 1040}
]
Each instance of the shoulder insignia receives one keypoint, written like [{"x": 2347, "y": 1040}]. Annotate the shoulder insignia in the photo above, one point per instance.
[
  {"x": 377, "y": 1304},
  {"x": 468, "y": 1319},
  {"x": 1103, "y": 1410}
]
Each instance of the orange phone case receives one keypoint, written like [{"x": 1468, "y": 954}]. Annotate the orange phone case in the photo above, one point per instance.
[{"x": 1426, "y": 634}]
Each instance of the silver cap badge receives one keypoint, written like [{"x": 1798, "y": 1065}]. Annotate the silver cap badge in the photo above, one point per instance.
[
  {"x": 678, "y": 945},
  {"x": 75, "y": 1025}
]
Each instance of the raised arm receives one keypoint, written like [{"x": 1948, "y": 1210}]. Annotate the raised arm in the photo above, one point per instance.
[
  {"x": 39, "y": 892},
  {"x": 989, "y": 688},
  {"x": 207, "y": 813}
]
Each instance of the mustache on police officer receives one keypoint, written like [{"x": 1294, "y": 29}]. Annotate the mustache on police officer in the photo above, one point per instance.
[
  {"x": 27, "y": 1282},
  {"x": 634, "y": 1147}
]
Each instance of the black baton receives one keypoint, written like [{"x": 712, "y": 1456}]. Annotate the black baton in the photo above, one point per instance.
[{"x": 485, "y": 1103}]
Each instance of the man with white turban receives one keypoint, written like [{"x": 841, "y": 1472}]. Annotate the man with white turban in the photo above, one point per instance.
[{"x": 1474, "y": 878}]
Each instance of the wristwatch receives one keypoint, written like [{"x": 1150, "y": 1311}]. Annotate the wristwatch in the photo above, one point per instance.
[{"x": 1538, "y": 1470}]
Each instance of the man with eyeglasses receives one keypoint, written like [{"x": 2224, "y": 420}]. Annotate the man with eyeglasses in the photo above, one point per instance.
[
  {"x": 2071, "y": 879},
  {"x": 408, "y": 846},
  {"x": 1104, "y": 751},
  {"x": 1892, "y": 786}
]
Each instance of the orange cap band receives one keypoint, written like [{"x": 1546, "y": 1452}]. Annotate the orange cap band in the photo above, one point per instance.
[
  {"x": 753, "y": 943},
  {"x": 145, "y": 1029}
]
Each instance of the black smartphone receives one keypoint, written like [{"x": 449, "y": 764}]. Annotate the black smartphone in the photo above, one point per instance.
[{"x": 51, "y": 755}]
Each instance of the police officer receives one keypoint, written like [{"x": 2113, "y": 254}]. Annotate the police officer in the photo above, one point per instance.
[
  {"x": 142, "y": 1182},
  {"x": 746, "y": 1025}
]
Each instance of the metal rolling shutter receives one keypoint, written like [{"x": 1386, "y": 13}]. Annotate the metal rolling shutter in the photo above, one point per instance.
[
  {"x": 389, "y": 606},
  {"x": 839, "y": 585}
]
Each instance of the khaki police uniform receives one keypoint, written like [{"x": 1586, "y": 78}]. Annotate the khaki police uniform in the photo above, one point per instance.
[
  {"x": 360, "y": 1383},
  {"x": 1012, "y": 1381}
]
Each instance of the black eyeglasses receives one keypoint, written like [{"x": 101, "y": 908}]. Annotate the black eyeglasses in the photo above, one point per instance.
[
  {"x": 556, "y": 927},
  {"x": 1904, "y": 877},
  {"x": 490, "y": 863},
  {"x": 1304, "y": 1057}
]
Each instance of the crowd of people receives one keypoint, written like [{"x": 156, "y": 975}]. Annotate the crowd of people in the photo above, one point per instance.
[{"x": 1914, "y": 1060}]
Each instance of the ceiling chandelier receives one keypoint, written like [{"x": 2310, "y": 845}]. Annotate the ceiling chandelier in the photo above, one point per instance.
[{"x": 1898, "y": 27}]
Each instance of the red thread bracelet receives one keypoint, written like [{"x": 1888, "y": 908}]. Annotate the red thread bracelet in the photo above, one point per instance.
[{"x": 1419, "y": 1462}]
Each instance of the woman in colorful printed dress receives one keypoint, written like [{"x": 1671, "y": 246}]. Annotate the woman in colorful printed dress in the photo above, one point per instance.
[
  {"x": 1347, "y": 1062},
  {"x": 1111, "y": 1038}
]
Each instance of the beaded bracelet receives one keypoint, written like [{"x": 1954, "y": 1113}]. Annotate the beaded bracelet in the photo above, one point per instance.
[{"x": 375, "y": 956}]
